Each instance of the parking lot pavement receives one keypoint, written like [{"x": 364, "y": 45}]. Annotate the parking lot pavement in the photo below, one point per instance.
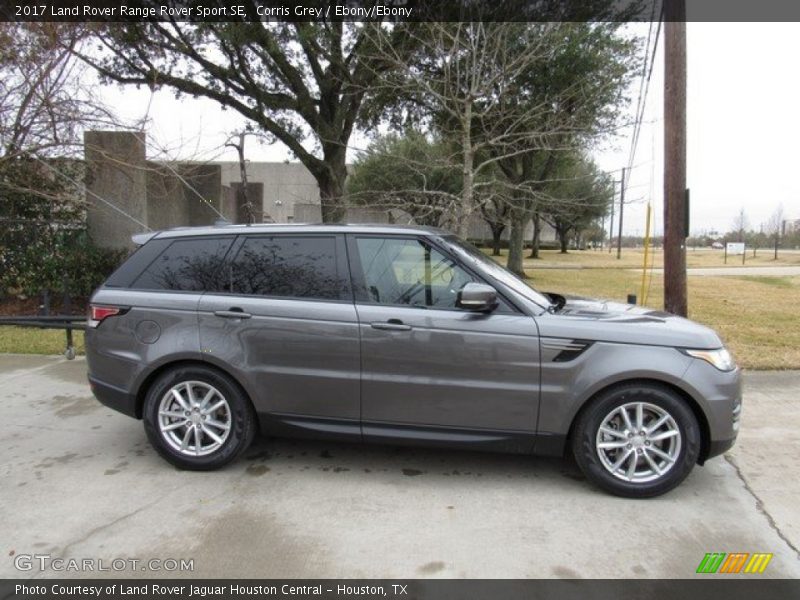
[{"x": 80, "y": 481}]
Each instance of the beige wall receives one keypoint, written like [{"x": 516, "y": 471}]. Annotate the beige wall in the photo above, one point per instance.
[{"x": 185, "y": 194}]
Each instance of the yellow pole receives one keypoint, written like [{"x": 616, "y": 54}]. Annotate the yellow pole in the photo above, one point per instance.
[{"x": 646, "y": 253}]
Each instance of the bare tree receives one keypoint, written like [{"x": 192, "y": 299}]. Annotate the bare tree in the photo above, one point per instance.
[
  {"x": 45, "y": 105},
  {"x": 774, "y": 228},
  {"x": 243, "y": 198},
  {"x": 45, "y": 100},
  {"x": 536, "y": 237},
  {"x": 459, "y": 79},
  {"x": 512, "y": 97},
  {"x": 407, "y": 176},
  {"x": 740, "y": 225},
  {"x": 495, "y": 213},
  {"x": 576, "y": 97}
]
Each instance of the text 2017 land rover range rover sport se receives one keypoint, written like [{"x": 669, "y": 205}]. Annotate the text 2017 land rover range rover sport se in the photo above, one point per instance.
[{"x": 400, "y": 335}]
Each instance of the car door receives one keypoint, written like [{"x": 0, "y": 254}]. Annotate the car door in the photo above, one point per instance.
[
  {"x": 429, "y": 369},
  {"x": 284, "y": 320}
]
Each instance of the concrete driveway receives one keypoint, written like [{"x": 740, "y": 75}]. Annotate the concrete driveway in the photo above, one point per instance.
[{"x": 80, "y": 481}]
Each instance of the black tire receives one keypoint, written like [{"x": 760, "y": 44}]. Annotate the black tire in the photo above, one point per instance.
[
  {"x": 584, "y": 439},
  {"x": 242, "y": 418}
]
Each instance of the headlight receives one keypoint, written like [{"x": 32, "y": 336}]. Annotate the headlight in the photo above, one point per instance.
[{"x": 720, "y": 357}]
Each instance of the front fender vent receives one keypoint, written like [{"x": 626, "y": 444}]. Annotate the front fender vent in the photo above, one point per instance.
[{"x": 563, "y": 350}]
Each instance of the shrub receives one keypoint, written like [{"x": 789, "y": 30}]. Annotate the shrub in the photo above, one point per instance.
[
  {"x": 65, "y": 261},
  {"x": 44, "y": 244}
]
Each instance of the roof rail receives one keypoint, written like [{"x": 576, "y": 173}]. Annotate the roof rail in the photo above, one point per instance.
[{"x": 140, "y": 239}]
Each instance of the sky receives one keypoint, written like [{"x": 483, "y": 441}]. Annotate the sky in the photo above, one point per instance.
[{"x": 743, "y": 128}]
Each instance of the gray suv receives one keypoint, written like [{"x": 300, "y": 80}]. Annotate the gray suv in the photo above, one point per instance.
[{"x": 401, "y": 335}]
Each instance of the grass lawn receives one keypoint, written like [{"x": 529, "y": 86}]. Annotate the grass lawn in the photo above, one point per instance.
[
  {"x": 26, "y": 340},
  {"x": 757, "y": 317}
]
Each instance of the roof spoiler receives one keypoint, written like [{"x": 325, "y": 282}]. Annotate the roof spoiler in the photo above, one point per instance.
[{"x": 140, "y": 239}]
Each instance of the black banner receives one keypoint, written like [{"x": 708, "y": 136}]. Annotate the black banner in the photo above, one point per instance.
[
  {"x": 409, "y": 589},
  {"x": 389, "y": 10}
]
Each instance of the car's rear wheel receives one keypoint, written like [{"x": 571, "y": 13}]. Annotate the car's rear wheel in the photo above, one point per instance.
[
  {"x": 198, "y": 418},
  {"x": 637, "y": 440}
]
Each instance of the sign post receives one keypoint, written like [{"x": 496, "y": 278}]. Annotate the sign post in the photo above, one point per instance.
[{"x": 735, "y": 248}]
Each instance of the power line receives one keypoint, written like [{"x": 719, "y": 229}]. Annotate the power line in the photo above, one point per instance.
[
  {"x": 644, "y": 85},
  {"x": 636, "y": 122},
  {"x": 191, "y": 187},
  {"x": 86, "y": 190}
]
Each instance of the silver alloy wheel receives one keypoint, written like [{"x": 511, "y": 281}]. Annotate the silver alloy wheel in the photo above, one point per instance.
[
  {"x": 638, "y": 442},
  {"x": 194, "y": 418}
]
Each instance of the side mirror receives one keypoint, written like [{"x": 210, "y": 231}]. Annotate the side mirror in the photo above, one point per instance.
[{"x": 477, "y": 297}]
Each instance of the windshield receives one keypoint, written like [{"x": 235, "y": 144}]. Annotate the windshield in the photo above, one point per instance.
[{"x": 475, "y": 257}]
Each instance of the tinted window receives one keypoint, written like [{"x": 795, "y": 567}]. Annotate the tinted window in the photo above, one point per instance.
[
  {"x": 408, "y": 271},
  {"x": 297, "y": 267},
  {"x": 187, "y": 265}
]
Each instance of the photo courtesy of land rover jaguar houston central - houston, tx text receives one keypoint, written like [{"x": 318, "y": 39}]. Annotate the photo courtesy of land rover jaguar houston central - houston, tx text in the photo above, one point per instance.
[{"x": 400, "y": 335}]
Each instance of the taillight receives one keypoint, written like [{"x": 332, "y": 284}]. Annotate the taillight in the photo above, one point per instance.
[{"x": 98, "y": 313}]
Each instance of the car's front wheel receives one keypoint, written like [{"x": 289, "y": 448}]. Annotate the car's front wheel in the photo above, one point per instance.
[
  {"x": 637, "y": 440},
  {"x": 198, "y": 418}
]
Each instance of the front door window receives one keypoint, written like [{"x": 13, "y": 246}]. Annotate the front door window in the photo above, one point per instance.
[{"x": 403, "y": 271}]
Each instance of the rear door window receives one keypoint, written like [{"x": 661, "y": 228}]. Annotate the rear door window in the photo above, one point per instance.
[
  {"x": 288, "y": 266},
  {"x": 187, "y": 265}
]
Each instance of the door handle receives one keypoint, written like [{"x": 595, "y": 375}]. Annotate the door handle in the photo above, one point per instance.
[
  {"x": 232, "y": 313},
  {"x": 391, "y": 325}
]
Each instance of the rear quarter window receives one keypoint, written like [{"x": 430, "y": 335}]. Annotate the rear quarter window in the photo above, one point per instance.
[{"x": 187, "y": 265}]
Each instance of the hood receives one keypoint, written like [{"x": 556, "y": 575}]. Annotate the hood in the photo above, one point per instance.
[{"x": 599, "y": 320}]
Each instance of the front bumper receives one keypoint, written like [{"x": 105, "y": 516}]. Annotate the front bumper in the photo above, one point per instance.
[
  {"x": 719, "y": 395},
  {"x": 717, "y": 447}
]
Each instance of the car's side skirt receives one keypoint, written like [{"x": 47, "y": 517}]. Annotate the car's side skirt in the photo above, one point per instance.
[{"x": 401, "y": 434}]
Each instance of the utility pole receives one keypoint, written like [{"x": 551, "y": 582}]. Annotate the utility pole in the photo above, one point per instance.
[
  {"x": 675, "y": 157},
  {"x": 621, "y": 206},
  {"x": 611, "y": 227},
  {"x": 603, "y": 229}
]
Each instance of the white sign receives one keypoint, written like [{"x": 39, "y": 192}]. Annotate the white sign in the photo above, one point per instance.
[{"x": 735, "y": 248}]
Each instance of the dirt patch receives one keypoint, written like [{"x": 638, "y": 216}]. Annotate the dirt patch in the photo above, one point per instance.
[
  {"x": 256, "y": 470},
  {"x": 71, "y": 406},
  {"x": 70, "y": 371},
  {"x": 431, "y": 568},
  {"x": 55, "y": 460},
  {"x": 411, "y": 472}
]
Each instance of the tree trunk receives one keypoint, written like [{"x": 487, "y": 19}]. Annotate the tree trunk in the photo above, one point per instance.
[
  {"x": 537, "y": 234},
  {"x": 465, "y": 209},
  {"x": 331, "y": 180},
  {"x": 516, "y": 241},
  {"x": 331, "y": 200},
  {"x": 243, "y": 199},
  {"x": 776, "y": 247},
  {"x": 563, "y": 237},
  {"x": 497, "y": 233}
]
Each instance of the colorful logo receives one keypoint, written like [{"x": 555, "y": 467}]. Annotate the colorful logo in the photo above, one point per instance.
[{"x": 735, "y": 562}]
